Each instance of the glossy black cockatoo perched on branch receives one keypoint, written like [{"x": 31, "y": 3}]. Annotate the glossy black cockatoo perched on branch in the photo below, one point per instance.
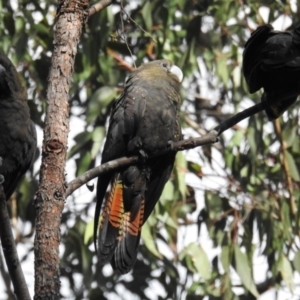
[
  {"x": 144, "y": 121},
  {"x": 271, "y": 61},
  {"x": 17, "y": 131}
]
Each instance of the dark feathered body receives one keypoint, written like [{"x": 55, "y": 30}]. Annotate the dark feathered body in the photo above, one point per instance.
[
  {"x": 271, "y": 61},
  {"x": 144, "y": 120},
  {"x": 17, "y": 131}
]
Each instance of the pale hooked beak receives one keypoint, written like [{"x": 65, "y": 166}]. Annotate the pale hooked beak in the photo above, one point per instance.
[{"x": 177, "y": 72}]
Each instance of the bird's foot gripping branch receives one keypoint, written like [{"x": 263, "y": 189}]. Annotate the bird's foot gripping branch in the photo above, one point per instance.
[{"x": 2, "y": 179}]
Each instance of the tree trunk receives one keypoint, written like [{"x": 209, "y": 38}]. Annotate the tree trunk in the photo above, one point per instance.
[{"x": 51, "y": 194}]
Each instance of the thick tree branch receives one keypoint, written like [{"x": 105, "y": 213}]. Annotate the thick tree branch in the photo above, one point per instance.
[
  {"x": 6, "y": 278},
  {"x": 119, "y": 163},
  {"x": 10, "y": 251},
  {"x": 210, "y": 138}
]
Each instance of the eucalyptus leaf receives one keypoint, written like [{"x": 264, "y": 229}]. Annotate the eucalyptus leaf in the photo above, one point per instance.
[{"x": 244, "y": 271}]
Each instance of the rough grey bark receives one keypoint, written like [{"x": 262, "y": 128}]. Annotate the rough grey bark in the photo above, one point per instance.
[{"x": 50, "y": 197}]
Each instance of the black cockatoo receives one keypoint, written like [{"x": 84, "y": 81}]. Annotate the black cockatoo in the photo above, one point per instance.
[
  {"x": 17, "y": 131},
  {"x": 144, "y": 121},
  {"x": 271, "y": 60}
]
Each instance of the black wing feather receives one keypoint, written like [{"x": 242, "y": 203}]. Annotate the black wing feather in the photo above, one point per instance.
[
  {"x": 160, "y": 175},
  {"x": 122, "y": 124}
]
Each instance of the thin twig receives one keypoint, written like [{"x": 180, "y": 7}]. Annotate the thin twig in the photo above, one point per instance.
[
  {"x": 241, "y": 116},
  {"x": 120, "y": 60},
  {"x": 14, "y": 216},
  {"x": 123, "y": 32},
  {"x": 194, "y": 125},
  {"x": 137, "y": 25},
  {"x": 99, "y": 6}
]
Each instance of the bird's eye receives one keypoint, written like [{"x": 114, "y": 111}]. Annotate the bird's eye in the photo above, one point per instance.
[{"x": 164, "y": 65}]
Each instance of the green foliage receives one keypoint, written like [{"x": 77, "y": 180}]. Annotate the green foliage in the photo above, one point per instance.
[{"x": 243, "y": 190}]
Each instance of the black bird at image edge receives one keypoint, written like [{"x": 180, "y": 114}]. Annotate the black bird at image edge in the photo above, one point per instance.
[
  {"x": 271, "y": 60},
  {"x": 18, "y": 140}
]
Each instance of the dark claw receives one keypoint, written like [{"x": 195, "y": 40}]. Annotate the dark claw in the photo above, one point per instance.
[
  {"x": 170, "y": 145},
  {"x": 90, "y": 187},
  {"x": 2, "y": 179},
  {"x": 143, "y": 155},
  {"x": 1, "y": 176}
]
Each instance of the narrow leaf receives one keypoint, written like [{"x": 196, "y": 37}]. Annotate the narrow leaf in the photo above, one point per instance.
[
  {"x": 180, "y": 172},
  {"x": 286, "y": 272},
  {"x": 89, "y": 232},
  {"x": 225, "y": 258},
  {"x": 244, "y": 271},
  {"x": 296, "y": 261},
  {"x": 199, "y": 259},
  {"x": 292, "y": 166},
  {"x": 149, "y": 240}
]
